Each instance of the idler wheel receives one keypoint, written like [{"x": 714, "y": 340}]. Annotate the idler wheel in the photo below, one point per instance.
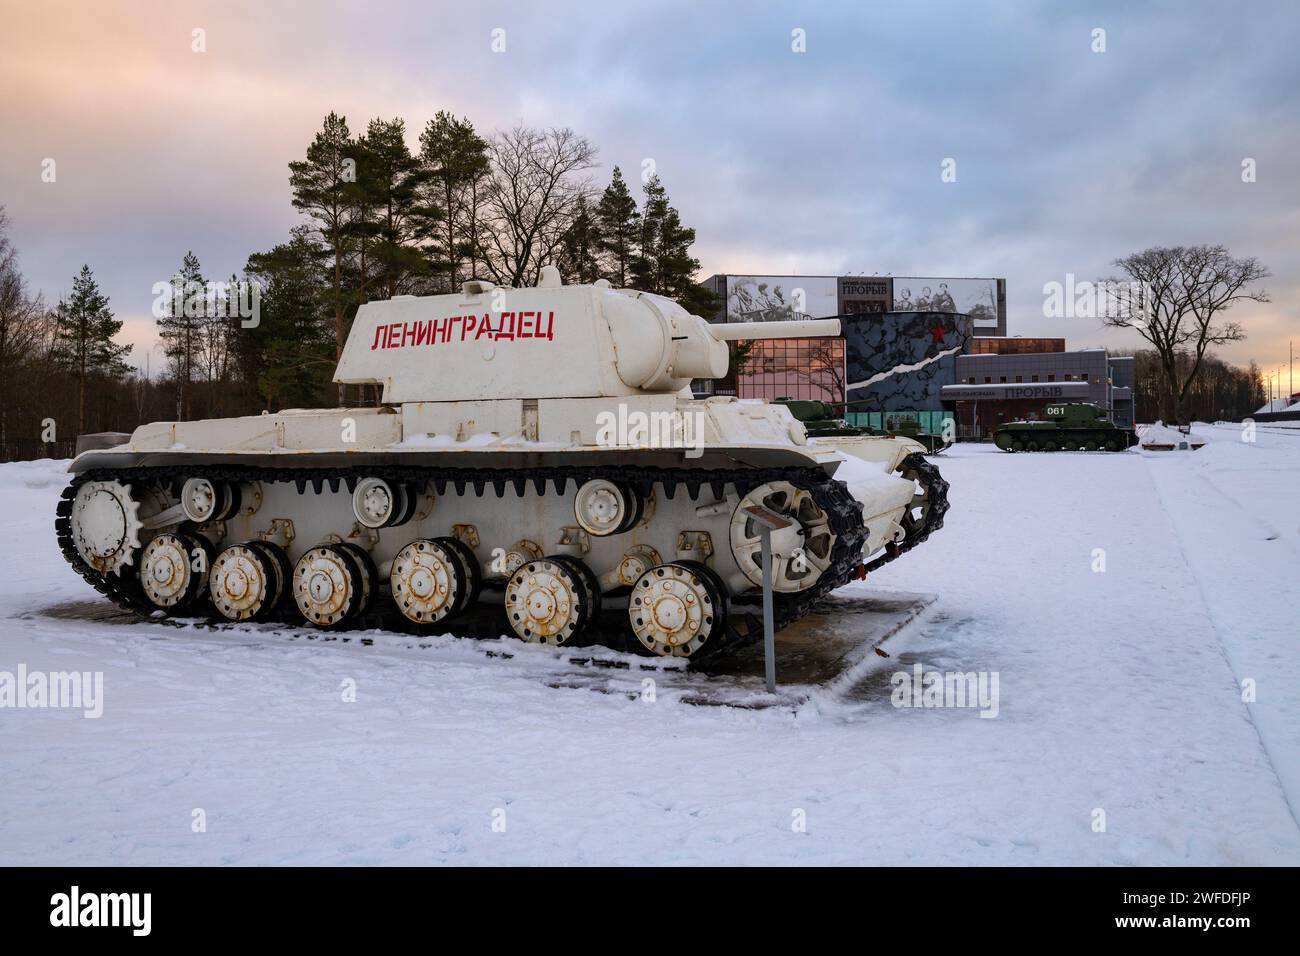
[
  {"x": 800, "y": 553},
  {"x": 676, "y": 608}
]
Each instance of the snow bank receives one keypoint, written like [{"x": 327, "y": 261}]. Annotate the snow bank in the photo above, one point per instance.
[
  {"x": 41, "y": 473},
  {"x": 1158, "y": 435}
]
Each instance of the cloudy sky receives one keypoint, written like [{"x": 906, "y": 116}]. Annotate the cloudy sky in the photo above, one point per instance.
[{"x": 821, "y": 162}]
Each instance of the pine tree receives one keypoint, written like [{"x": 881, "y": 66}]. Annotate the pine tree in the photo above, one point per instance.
[
  {"x": 183, "y": 328},
  {"x": 83, "y": 338},
  {"x": 406, "y": 219},
  {"x": 664, "y": 264},
  {"x": 618, "y": 229},
  {"x": 579, "y": 259},
  {"x": 324, "y": 187},
  {"x": 289, "y": 354},
  {"x": 455, "y": 158}
]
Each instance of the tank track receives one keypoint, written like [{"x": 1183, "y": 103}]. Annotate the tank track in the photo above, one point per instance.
[
  {"x": 844, "y": 514},
  {"x": 1127, "y": 438},
  {"x": 937, "y": 491}
]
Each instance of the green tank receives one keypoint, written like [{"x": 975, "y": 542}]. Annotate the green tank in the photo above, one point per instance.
[
  {"x": 1073, "y": 426},
  {"x": 819, "y": 418},
  {"x": 823, "y": 418}
]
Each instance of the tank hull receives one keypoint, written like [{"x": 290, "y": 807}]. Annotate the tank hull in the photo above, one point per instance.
[
  {"x": 501, "y": 513},
  {"x": 1010, "y": 438}
]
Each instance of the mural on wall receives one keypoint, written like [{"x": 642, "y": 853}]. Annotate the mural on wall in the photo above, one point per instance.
[
  {"x": 865, "y": 294},
  {"x": 899, "y": 361},
  {"x": 978, "y": 298},
  {"x": 781, "y": 298}
]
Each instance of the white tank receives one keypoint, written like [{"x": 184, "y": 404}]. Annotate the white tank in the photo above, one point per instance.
[{"x": 537, "y": 466}]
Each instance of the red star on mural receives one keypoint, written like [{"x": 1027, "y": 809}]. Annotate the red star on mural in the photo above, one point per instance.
[{"x": 938, "y": 333}]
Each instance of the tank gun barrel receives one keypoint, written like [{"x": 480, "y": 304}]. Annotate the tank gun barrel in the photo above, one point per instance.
[{"x": 800, "y": 329}]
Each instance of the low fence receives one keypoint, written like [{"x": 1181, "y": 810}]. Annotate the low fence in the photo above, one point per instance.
[
  {"x": 23, "y": 449},
  {"x": 931, "y": 421}
]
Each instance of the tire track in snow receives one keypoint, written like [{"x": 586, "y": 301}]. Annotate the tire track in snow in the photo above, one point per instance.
[{"x": 1239, "y": 570}]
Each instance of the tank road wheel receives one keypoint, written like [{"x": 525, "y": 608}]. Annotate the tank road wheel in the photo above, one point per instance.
[
  {"x": 589, "y": 583},
  {"x": 605, "y": 507},
  {"x": 246, "y": 584},
  {"x": 1049, "y": 445},
  {"x": 1090, "y": 445},
  {"x": 1070, "y": 445},
  {"x": 547, "y": 601},
  {"x": 174, "y": 570},
  {"x": 282, "y": 568},
  {"x": 1031, "y": 446},
  {"x": 327, "y": 586},
  {"x": 105, "y": 525},
  {"x": 367, "y": 574},
  {"x": 470, "y": 571},
  {"x": 1112, "y": 444},
  {"x": 428, "y": 581},
  {"x": 1017, "y": 446},
  {"x": 675, "y": 608},
  {"x": 800, "y": 553}
]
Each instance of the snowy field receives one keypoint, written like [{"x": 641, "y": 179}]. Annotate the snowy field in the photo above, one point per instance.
[{"x": 1120, "y": 691}]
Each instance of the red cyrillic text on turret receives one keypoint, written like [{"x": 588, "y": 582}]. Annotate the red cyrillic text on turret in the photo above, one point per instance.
[{"x": 462, "y": 328}]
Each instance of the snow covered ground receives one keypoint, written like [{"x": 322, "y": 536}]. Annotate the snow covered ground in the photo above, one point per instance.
[{"x": 1120, "y": 691}]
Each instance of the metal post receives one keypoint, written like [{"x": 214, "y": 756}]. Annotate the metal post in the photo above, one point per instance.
[
  {"x": 768, "y": 521},
  {"x": 769, "y": 632}
]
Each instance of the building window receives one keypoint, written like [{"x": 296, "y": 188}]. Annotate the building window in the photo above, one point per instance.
[
  {"x": 1033, "y": 378},
  {"x": 810, "y": 368},
  {"x": 1051, "y": 378},
  {"x": 987, "y": 380},
  {"x": 1083, "y": 376},
  {"x": 1069, "y": 376},
  {"x": 1019, "y": 378},
  {"x": 1003, "y": 380}
]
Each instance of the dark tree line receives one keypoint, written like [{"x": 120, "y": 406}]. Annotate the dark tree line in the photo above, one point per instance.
[
  {"x": 1218, "y": 391},
  {"x": 379, "y": 219}
]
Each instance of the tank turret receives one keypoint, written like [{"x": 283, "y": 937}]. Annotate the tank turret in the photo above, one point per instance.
[
  {"x": 489, "y": 343},
  {"x": 537, "y": 466}
]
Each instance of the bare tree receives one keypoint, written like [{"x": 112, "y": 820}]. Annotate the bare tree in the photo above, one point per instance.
[
  {"x": 823, "y": 368},
  {"x": 530, "y": 199},
  {"x": 1174, "y": 298},
  {"x": 24, "y": 325}
]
